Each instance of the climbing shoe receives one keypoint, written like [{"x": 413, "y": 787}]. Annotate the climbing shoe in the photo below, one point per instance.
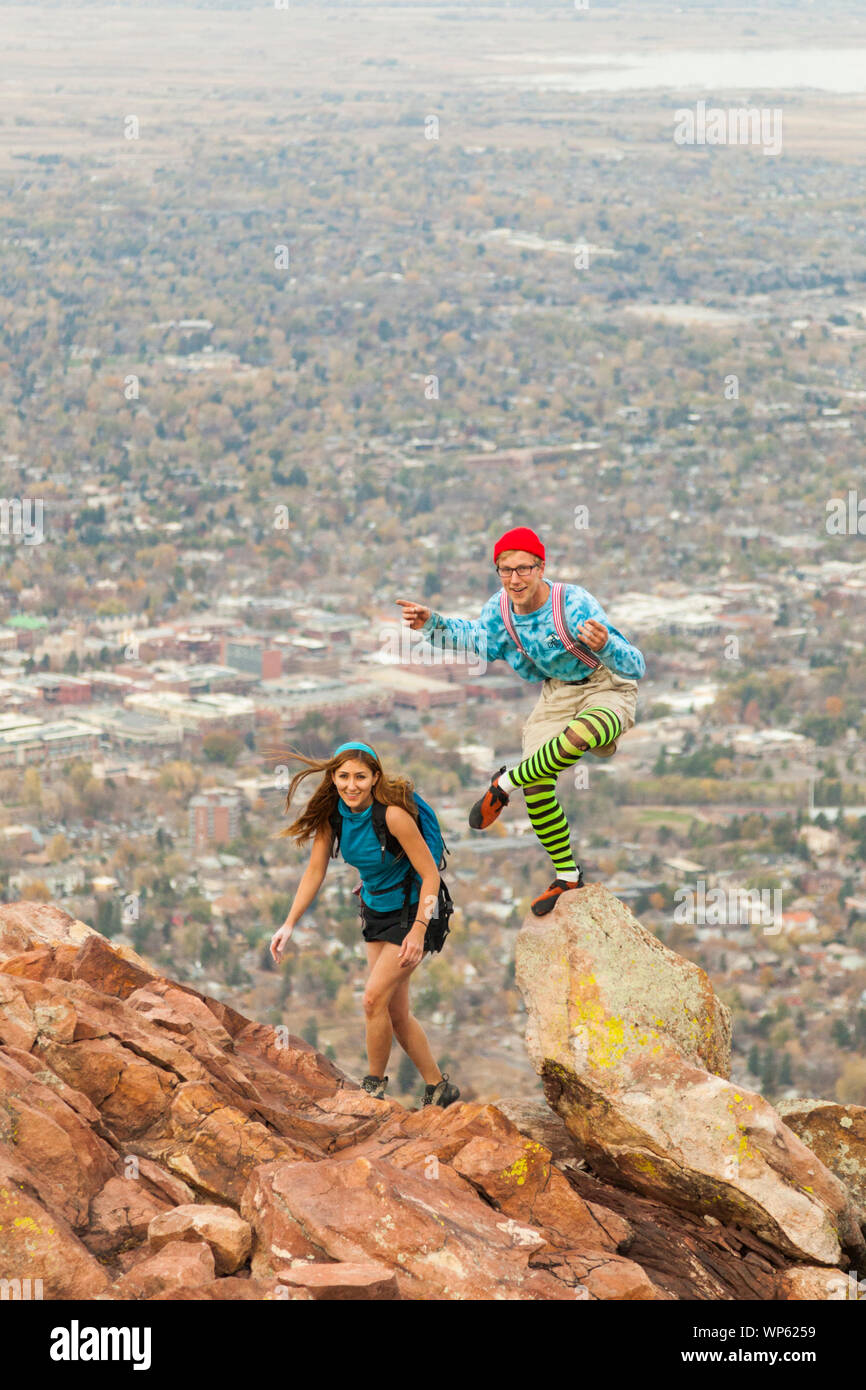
[
  {"x": 547, "y": 900},
  {"x": 374, "y": 1086},
  {"x": 485, "y": 811},
  {"x": 441, "y": 1093}
]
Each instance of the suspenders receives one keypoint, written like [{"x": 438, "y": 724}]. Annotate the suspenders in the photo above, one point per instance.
[{"x": 557, "y": 601}]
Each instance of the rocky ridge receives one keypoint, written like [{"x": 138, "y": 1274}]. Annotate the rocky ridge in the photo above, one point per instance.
[{"x": 155, "y": 1144}]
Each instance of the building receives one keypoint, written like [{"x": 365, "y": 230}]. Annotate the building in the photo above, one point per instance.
[
  {"x": 200, "y": 714},
  {"x": 26, "y": 627},
  {"x": 198, "y": 644},
  {"x": 45, "y": 744},
  {"x": 64, "y": 690},
  {"x": 417, "y": 691},
  {"x": 130, "y": 729},
  {"x": 22, "y": 839},
  {"x": 253, "y": 655},
  {"x": 214, "y": 818},
  {"x": 288, "y": 701},
  {"x": 61, "y": 880}
]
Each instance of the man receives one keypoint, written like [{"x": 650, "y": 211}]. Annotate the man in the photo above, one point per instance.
[{"x": 560, "y": 634}]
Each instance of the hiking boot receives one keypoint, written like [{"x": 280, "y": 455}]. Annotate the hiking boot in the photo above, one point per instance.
[
  {"x": 440, "y": 1093},
  {"x": 375, "y": 1086},
  {"x": 485, "y": 811},
  {"x": 547, "y": 900}
]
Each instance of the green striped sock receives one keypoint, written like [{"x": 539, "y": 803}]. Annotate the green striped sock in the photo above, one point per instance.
[
  {"x": 550, "y": 825},
  {"x": 594, "y": 728}
]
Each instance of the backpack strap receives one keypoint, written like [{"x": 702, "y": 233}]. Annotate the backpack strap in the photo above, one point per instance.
[
  {"x": 578, "y": 649},
  {"x": 505, "y": 610},
  {"x": 387, "y": 839},
  {"x": 557, "y": 603}
]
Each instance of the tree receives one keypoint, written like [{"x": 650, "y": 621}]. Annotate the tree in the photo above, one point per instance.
[
  {"x": 58, "y": 849},
  {"x": 222, "y": 746},
  {"x": 841, "y": 1033}
]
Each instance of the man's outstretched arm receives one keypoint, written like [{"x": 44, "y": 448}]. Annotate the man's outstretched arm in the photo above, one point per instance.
[
  {"x": 617, "y": 652},
  {"x": 458, "y": 634}
]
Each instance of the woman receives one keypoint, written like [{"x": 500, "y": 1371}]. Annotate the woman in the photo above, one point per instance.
[{"x": 352, "y": 778}]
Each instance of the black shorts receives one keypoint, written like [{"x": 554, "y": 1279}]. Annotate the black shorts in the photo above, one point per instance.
[{"x": 386, "y": 926}]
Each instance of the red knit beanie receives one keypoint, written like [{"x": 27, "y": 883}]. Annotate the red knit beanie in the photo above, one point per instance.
[{"x": 521, "y": 538}]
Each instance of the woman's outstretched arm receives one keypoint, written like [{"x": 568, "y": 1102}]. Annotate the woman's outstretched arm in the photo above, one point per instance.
[{"x": 311, "y": 882}]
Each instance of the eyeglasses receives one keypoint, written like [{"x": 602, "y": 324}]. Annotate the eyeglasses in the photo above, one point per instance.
[{"x": 505, "y": 571}]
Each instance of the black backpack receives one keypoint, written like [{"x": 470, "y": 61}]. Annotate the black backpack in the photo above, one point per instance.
[{"x": 438, "y": 926}]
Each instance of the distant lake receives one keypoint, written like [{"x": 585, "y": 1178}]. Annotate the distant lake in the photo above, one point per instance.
[{"x": 683, "y": 70}]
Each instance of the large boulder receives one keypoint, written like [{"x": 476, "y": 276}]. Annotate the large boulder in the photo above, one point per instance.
[
  {"x": 441, "y": 1240},
  {"x": 837, "y": 1134},
  {"x": 632, "y": 1046}
]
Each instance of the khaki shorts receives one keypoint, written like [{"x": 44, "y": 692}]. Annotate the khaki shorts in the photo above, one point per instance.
[{"x": 560, "y": 701}]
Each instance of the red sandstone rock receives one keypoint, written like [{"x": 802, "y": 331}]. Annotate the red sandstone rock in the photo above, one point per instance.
[
  {"x": 120, "y": 1215},
  {"x": 178, "y": 1266},
  {"x": 65, "y": 1161},
  {"x": 129, "y": 1103},
  {"x": 42, "y": 963},
  {"x": 837, "y": 1135},
  {"x": 38, "y": 1244},
  {"x": 342, "y": 1280},
  {"x": 106, "y": 969},
  {"x": 445, "y": 1243},
  {"x": 633, "y": 1047},
  {"x": 811, "y": 1283},
  {"x": 234, "y": 1289},
  {"x": 227, "y": 1234},
  {"x": 214, "y": 1147}
]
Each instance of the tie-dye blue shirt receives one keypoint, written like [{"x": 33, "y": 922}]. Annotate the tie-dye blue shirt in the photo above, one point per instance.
[{"x": 545, "y": 653}]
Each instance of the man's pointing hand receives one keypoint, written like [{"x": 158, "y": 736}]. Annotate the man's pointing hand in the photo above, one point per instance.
[{"x": 415, "y": 614}]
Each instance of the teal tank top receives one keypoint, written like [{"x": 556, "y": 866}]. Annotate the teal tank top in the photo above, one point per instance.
[{"x": 382, "y": 875}]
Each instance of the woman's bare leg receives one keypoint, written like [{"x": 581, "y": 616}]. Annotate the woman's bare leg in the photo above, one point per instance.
[
  {"x": 410, "y": 1035},
  {"x": 386, "y": 977},
  {"x": 379, "y": 1041}
]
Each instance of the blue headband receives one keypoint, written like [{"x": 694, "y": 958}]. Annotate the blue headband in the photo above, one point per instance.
[{"x": 365, "y": 746}]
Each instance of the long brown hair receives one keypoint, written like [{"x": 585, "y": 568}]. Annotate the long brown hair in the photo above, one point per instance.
[{"x": 390, "y": 791}]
